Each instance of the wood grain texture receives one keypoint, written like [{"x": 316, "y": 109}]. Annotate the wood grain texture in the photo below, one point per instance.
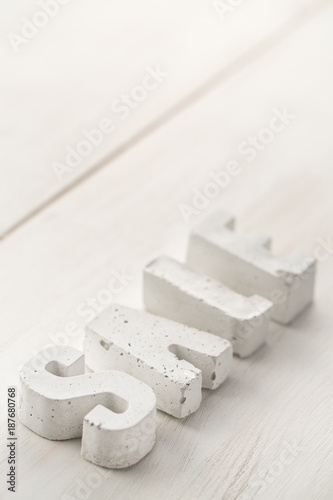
[
  {"x": 66, "y": 78},
  {"x": 266, "y": 433}
]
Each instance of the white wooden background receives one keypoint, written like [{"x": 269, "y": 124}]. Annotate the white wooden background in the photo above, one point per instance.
[{"x": 120, "y": 208}]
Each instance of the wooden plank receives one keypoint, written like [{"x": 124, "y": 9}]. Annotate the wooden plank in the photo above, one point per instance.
[
  {"x": 267, "y": 433},
  {"x": 67, "y": 76}
]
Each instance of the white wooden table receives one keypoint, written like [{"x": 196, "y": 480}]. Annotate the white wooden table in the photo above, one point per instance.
[{"x": 267, "y": 433}]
